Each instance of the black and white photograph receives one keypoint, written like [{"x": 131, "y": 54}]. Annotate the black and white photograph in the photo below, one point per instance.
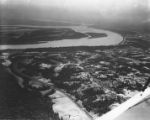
[{"x": 74, "y": 59}]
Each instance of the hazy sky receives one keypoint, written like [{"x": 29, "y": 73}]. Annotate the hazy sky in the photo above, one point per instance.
[
  {"x": 93, "y": 5},
  {"x": 106, "y": 8}
]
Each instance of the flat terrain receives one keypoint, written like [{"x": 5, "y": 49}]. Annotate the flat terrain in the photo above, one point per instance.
[
  {"x": 31, "y": 35},
  {"x": 97, "y": 79}
]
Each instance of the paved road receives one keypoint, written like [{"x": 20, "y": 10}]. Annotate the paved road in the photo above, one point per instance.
[{"x": 139, "y": 112}]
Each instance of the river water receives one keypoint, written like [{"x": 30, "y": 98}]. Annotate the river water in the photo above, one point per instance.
[
  {"x": 139, "y": 112},
  {"x": 111, "y": 39}
]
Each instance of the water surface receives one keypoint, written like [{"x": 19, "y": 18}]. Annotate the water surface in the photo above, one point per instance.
[{"x": 111, "y": 39}]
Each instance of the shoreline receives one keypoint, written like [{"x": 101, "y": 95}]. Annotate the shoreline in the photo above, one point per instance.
[{"x": 111, "y": 39}]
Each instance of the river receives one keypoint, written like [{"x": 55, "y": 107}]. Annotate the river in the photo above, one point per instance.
[
  {"x": 111, "y": 39},
  {"x": 136, "y": 113}
]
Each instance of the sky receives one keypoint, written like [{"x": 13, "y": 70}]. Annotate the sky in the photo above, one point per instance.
[
  {"x": 93, "y": 5},
  {"x": 110, "y": 9}
]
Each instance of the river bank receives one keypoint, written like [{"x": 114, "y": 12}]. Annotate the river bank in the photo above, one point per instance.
[
  {"x": 111, "y": 39},
  {"x": 90, "y": 71}
]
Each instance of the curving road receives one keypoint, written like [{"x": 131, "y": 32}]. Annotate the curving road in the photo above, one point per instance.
[
  {"x": 61, "y": 100},
  {"x": 72, "y": 111}
]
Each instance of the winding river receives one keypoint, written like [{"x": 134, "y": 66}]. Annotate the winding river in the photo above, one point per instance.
[
  {"x": 72, "y": 111},
  {"x": 111, "y": 39},
  {"x": 61, "y": 100}
]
